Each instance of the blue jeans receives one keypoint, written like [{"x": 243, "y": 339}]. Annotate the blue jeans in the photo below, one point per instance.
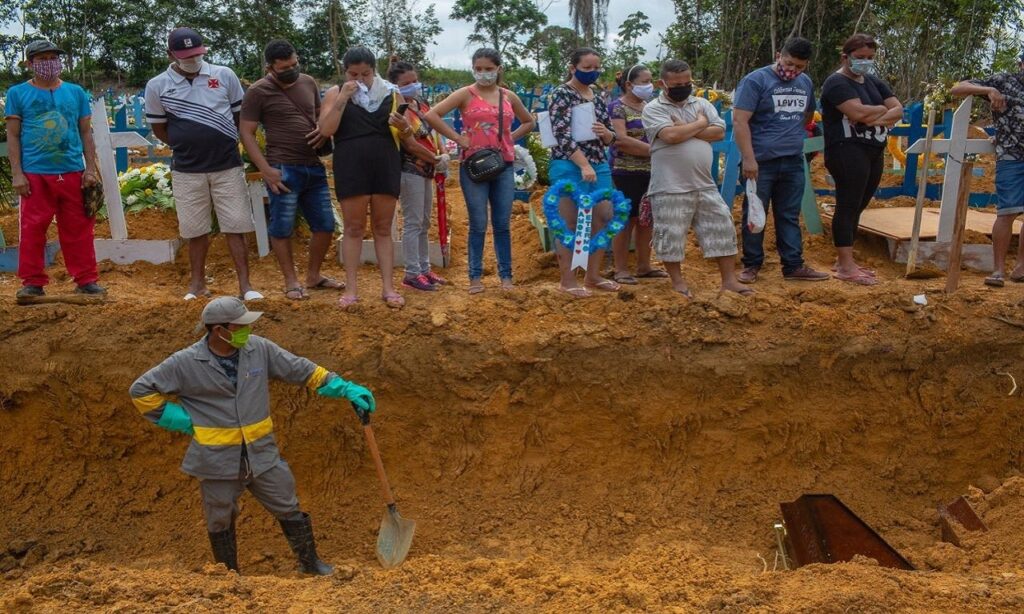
[
  {"x": 499, "y": 192},
  {"x": 780, "y": 186},
  {"x": 309, "y": 192}
]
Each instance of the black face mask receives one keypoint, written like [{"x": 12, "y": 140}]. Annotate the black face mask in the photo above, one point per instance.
[
  {"x": 679, "y": 93},
  {"x": 288, "y": 76}
]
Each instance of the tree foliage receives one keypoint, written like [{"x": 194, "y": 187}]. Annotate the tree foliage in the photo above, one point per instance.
[{"x": 501, "y": 24}]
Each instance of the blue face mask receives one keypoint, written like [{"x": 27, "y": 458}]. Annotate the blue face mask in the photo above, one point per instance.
[
  {"x": 862, "y": 67},
  {"x": 412, "y": 90},
  {"x": 587, "y": 77}
]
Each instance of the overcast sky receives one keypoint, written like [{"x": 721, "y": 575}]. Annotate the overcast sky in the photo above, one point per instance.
[{"x": 451, "y": 50}]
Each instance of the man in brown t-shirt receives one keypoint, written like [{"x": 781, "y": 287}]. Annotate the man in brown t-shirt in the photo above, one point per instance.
[{"x": 287, "y": 103}]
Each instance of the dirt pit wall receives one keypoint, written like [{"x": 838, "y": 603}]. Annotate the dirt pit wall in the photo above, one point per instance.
[{"x": 627, "y": 453}]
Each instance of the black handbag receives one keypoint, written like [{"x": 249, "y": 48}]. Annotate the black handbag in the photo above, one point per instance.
[
  {"x": 324, "y": 150},
  {"x": 488, "y": 163}
]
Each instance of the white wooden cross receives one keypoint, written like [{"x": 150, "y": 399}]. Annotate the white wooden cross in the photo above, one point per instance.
[
  {"x": 119, "y": 248},
  {"x": 955, "y": 147}
]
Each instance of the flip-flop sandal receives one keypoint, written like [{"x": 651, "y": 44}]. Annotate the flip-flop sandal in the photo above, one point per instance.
[
  {"x": 251, "y": 295},
  {"x": 625, "y": 278},
  {"x": 996, "y": 280},
  {"x": 347, "y": 301},
  {"x": 576, "y": 292},
  {"x": 743, "y": 292},
  {"x": 507, "y": 285},
  {"x": 861, "y": 279},
  {"x": 864, "y": 270},
  {"x": 326, "y": 283},
  {"x": 652, "y": 274},
  {"x": 296, "y": 290},
  {"x": 605, "y": 286},
  {"x": 191, "y": 296},
  {"x": 686, "y": 293},
  {"x": 1017, "y": 279},
  {"x": 476, "y": 289},
  {"x": 393, "y": 300}
]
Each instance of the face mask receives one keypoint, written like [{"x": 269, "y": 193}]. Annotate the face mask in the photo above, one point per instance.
[
  {"x": 644, "y": 92},
  {"x": 485, "y": 78},
  {"x": 862, "y": 67},
  {"x": 190, "y": 65},
  {"x": 288, "y": 76},
  {"x": 47, "y": 70},
  {"x": 679, "y": 93},
  {"x": 239, "y": 337},
  {"x": 786, "y": 74},
  {"x": 412, "y": 90},
  {"x": 587, "y": 77}
]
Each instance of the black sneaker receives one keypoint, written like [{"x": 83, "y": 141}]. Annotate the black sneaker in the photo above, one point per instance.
[
  {"x": 30, "y": 292},
  {"x": 91, "y": 288}
]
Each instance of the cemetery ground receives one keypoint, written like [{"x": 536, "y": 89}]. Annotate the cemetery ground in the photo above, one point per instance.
[{"x": 623, "y": 453}]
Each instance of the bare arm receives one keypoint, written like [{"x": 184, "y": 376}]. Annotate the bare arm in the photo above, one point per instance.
[
  {"x": 526, "y": 121},
  {"x": 160, "y": 131},
  {"x": 741, "y": 133},
  {"x": 682, "y": 131},
  {"x": 894, "y": 113},
  {"x": 333, "y": 107},
  {"x": 272, "y": 176},
  {"x": 995, "y": 97},
  {"x": 857, "y": 111},
  {"x": 89, "y": 149},
  {"x": 435, "y": 117},
  {"x": 19, "y": 181},
  {"x": 711, "y": 134},
  {"x": 628, "y": 144}
]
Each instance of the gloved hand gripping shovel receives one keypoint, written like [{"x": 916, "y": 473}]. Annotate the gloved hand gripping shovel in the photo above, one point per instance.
[{"x": 395, "y": 536}]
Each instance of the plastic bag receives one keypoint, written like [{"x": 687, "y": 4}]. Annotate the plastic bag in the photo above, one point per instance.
[{"x": 755, "y": 209}]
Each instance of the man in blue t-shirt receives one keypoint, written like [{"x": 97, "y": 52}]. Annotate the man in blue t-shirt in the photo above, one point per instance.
[
  {"x": 53, "y": 157},
  {"x": 773, "y": 104}
]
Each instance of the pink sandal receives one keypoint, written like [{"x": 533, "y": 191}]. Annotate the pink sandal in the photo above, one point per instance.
[
  {"x": 860, "y": 279},
  {"x": 393, "y": 299},
  {"x": 347, "y": 301}
]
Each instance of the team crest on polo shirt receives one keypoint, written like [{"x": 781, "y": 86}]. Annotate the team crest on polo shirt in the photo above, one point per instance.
[{"x": 214, "y": 83}]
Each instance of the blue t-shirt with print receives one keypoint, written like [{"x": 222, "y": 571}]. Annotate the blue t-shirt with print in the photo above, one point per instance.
[
  {"x": 778, "y": 108},
  {"x": 50, "y": 141}
]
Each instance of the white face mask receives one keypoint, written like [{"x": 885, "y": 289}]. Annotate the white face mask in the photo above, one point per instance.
[
  {"x": 486, "y": 78},
  {"x": 644, "y": 92},
  {"x": 190, "y": 65}
]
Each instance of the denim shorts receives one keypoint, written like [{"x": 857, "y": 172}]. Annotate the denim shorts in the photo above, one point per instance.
[
  {"x": 1009, "y": 187},
  {"x": 567, "y": 169},
  {"x": 309, "y": 192}
]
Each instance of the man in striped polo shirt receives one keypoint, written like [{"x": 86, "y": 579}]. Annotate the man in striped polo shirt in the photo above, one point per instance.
[{"x": 194, "y": 107}]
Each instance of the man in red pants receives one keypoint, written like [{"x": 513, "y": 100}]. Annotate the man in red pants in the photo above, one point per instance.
[{"x": 48, "y": 131}]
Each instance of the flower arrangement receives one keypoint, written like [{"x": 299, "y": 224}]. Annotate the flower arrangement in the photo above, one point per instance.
[
  {"x": 525, "y": 169},
  {"x": 148, "y": 187},
  {"x": 567, "y": 189},
  {"x": 714, "y": 95},
  {"x": 261, "y": 140},
  {"x": 937, "y": 96}
]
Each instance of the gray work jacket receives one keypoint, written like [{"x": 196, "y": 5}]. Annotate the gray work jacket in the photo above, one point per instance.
[{"x": 225, "y": 417}]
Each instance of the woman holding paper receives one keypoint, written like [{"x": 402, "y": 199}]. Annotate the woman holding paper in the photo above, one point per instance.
[
  {"x": 582, "y": 130},
  {"x": 484, "y": 107}
]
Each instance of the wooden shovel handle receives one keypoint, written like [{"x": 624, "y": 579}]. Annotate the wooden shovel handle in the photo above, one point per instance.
[{"x": 371, "y": 441}]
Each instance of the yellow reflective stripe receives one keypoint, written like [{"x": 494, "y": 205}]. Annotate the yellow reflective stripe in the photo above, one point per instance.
[
  {"x": 149, "y": 402},
  {"x": 317, "y": 378},
  {"x": 233, "y": 436}
]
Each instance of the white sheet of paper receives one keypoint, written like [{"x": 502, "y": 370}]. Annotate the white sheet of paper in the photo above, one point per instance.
[
  {"x": 583, "y": 119},
  {"x": 547, "y": 133}
]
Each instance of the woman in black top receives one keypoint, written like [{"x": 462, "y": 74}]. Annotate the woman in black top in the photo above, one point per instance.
[
  {"x": 361, "y": 116},
  {"x": 858, "y": 108}
]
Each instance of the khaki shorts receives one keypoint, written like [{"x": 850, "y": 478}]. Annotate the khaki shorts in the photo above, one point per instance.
[
  {"x": 711, "y": 219},
  {"x": 196, "y": 195}
]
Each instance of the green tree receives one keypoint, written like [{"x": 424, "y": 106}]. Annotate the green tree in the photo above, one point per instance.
[
  {"x": 500, "y": 24},
  {"x": 628, "y": 52},
  {"x": 549, "y": 49},
  {"x": 396, "y": 27}
]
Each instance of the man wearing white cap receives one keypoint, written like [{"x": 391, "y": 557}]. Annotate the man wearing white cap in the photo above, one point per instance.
[
  {"x": 219, "y": 387},
  {"x": 194, "y": 106}
]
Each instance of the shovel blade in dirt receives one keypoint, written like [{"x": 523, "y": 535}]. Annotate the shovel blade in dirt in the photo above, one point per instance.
[{"x": 394, "y": 538}]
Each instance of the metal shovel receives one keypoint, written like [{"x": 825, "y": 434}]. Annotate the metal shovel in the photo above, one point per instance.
[{"x": 395, "y": 535}]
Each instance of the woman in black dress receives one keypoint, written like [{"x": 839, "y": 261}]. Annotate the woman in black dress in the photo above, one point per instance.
[{"x": 361, "y": 114}]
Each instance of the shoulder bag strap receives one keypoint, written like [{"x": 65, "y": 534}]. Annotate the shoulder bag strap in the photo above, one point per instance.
[
  {"x": 292, "y": 100},
  {"x": 501, "y": 116}
]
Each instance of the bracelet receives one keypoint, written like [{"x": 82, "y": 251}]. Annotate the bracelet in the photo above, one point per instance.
[{"x": 615, "y": 137}]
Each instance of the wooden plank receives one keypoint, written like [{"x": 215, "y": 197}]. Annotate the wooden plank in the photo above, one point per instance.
[
  {"x": 257, "y": 191},
  {"x": 898, "y": 222},
  {"x": 915, "y": 233},
  {"x": 975, "y": 257},
  {"x": 126, "y": 251},
  {"x": 954, "y": 161},
  {"x": 960, "y": 223},
  {"x": 108, "y": 171}
]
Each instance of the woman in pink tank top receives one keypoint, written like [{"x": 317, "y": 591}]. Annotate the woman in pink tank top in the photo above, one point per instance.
[{"x": 478, "y": 105}]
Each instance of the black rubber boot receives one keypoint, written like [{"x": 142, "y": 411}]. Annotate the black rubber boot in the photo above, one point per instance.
[
  {"x": 299, "y": 534},
  {"x": 225, "y": 550}
]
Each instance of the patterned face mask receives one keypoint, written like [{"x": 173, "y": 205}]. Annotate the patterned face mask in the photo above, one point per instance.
[
  {"x": 862, "y": 67},
  {"x": 47, "y": 70},
  {"x": 786, "y": 74}
]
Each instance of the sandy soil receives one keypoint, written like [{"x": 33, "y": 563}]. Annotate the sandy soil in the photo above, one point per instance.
[{"x": 622, "y": 453}]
